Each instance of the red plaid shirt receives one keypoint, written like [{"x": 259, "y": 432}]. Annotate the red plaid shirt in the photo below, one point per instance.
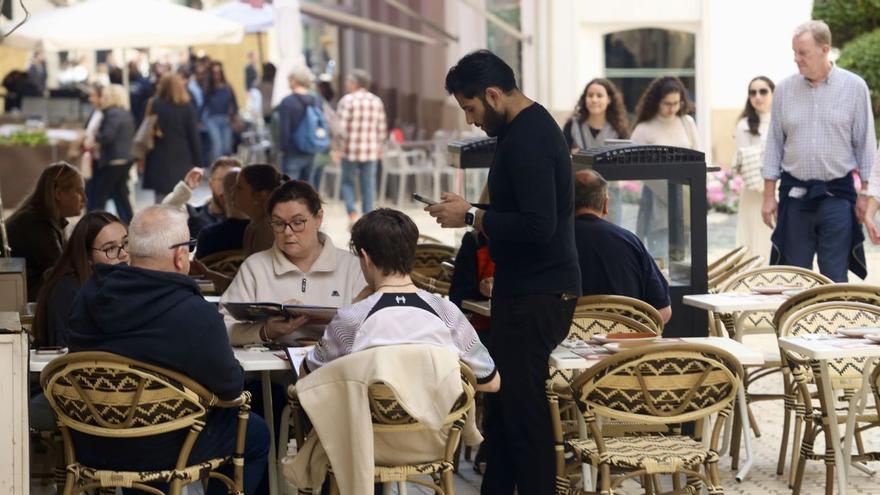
[{"x": 362, "y": 116}]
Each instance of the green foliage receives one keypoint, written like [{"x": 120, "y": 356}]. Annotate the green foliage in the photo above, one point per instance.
[
  {"x": 25, "y": 138},
  {"x": 862, "y": 56},
  {"x": 848, "y": 18}
]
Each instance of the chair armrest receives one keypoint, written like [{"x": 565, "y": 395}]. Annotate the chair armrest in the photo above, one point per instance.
[{"x": 241, "y": 400}]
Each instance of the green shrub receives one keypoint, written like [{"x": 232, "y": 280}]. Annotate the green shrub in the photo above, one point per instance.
[
  {"x": 848, "y": 18},
  {"x": 862, "y": 56},
  {"x": 25, "y": 138}
]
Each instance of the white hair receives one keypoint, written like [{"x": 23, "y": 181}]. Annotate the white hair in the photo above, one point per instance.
[
  {"x": 302, "y": 75},
  {"x": 154, "y": 230},
  {"x": 818, "y": 29}
]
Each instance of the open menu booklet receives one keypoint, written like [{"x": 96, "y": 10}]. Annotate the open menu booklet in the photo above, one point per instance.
[{"x": 254, "y": 311}]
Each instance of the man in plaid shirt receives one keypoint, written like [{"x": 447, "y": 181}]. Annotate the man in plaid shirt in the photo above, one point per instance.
[{"x": 362, "y": 118}]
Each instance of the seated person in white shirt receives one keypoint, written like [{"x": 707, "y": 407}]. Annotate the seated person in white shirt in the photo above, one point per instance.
[{"x": 398, "y": 312}]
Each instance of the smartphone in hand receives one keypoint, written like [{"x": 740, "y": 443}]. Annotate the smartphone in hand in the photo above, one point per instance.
[{"x": 422, "y": 199}]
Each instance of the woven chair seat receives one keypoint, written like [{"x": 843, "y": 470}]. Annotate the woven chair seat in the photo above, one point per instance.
[
  {"x": 384, "y": 474},
  {"x": 125, "y": 479},
  {"x": 654, "y": 454}
]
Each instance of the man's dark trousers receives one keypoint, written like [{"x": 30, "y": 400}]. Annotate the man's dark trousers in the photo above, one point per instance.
[
  {"x": 822, "y": 227},
  {"x": 525, "y": 329}
]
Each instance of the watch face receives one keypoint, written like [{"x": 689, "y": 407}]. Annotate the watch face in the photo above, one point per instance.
[{"x": 469, "y": 218}]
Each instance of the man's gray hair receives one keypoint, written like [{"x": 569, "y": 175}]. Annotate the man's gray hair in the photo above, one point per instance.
[
  {"x": 361, "y": 77},
  {"x": 154, "y": 230},
  {"x": 818, "y": 29},
  {"x": 590, "y": 190},
  {"x": 302, "y": 75}
]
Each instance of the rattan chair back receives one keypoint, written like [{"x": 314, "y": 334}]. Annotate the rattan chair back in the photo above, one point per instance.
[
  {"x": 627, "y": 306},
  {"x": 828, "y": 318},
  {"x": 427, "y": 272},
  {"x": 776, "y": 275},
  {"x": 660, "y": 384},
  {"x": 225, "y": 262},
  {"x": 726, "y": 261},
  {"x": 864, "y": 293},
  {"x": 107, "y": 395},
  {"x": 435, "y": 285},
  {"x": 586, "y": 324},
  {"x": 720, "y": 278}
]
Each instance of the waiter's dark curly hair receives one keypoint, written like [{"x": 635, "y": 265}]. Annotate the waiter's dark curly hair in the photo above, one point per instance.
[{"x": 477, "y": 71}]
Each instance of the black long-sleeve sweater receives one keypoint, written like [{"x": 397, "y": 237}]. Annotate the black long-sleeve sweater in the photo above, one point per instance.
[{"x": 530, "y": 224}]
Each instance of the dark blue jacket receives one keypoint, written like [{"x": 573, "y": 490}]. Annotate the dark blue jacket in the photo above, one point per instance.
[
  {"x": 159, "y": 318},
  {"x": 842, "y": 187}
]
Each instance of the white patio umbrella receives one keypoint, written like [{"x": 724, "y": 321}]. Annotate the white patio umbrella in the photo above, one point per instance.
[
  {"x": 104, "y": 24},
  {"x": 253, "y": 19},
  {"x": 288, "y": 26}
]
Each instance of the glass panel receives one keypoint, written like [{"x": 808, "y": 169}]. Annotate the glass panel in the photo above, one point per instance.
[
  {"x": 498, "y": 41},
  {"x": 658, "y": 212}
]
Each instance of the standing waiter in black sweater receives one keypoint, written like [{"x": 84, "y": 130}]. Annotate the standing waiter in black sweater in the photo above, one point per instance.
[{"x": 530, "y": 227}]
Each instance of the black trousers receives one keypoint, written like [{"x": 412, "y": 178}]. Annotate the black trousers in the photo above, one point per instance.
[
  {"x": 519, "y": 435},
  {"x": 111, "y": 182}
]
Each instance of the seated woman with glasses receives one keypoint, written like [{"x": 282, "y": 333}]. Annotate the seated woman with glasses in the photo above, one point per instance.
[
  {"x": 99, "y": 237},
  {"x": 302, "y": 267}
]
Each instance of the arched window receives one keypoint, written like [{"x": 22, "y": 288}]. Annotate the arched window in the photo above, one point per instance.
[{"x": 633, "y": 58}]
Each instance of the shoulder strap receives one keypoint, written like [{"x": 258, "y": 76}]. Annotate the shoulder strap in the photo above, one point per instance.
[{"x": 581, "y": 132}]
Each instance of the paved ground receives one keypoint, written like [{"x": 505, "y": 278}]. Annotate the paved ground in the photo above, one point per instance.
[{"x": 762, "y": 479}]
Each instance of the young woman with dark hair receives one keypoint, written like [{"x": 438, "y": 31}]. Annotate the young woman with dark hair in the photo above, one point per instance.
[
  {"x": 751, "y": 134},
  {"x": 301, "y": 265},
  {"x": 36, "y": 229},
  {"x": 99, "y": 237},
  {"x": 253, "y": 186},
  {"x": 662, "y": 118},
  {"x": 600, "y": 114}
]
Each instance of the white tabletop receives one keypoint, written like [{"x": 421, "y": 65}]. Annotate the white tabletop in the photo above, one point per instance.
[
  {"x": 830, "y": 347},
  {"x": 565, "y": 359},
  {"x": 260, "y": 359},
  {"x": 479, "y": 307},
  {"x": 729, "y": 302}
]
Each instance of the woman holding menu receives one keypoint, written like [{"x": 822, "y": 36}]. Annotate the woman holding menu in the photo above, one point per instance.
[{"x": 302, "y": 267}]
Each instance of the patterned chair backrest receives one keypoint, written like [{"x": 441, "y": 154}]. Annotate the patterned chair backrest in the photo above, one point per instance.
[
  {"x": 863, "y": 293},
  {"x": 744, "y": 264},
  {"x": 586, "y": 324},
  {"x": 828, "y": 318},
  {"x": 726, "y": 261},
  {"x": 434, "y": 285},
  {"x": 225, "y": 262},
  {"x": 107, "y": 395},
  {"x": 660, "y": 384},
  {"x": 388, "y": 414},
  {"x": 636, "y": 309},
  {"x": 430, "y": 256},
  {"x": 768, "y": 276}
]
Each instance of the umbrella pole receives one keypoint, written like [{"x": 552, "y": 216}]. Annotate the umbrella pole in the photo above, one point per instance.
[{"x": 260, "y": 48}]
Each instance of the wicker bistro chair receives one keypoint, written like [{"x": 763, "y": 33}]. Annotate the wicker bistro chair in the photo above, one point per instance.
[
  {"x": 225, "y": 262},
  {"x": 846, "y": 376},
  {"x": 726, "y": 261},
  {"x": 868, "y": 294},
  {"x": 627, "y": 306},
  {"x": 107, "y": 395},
  {"x": 428, "y": 273},
  {"x": 389, "y": 418},
  {"x": 741, "y": 266},
  {"x": 664, "y": 385}
]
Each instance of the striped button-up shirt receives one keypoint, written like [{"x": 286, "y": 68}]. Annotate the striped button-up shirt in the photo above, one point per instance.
[
  {"x": 821, "y": 132},
  {"x": 362, "y": 117}
]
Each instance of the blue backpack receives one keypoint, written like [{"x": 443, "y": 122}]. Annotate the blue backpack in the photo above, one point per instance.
[{"x": 312, "y": 135}]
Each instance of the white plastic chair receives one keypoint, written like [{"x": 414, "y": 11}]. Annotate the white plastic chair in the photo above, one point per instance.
[{"x": 403, "y": 165}]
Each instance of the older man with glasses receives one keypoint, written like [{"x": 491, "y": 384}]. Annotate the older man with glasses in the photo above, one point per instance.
[{"x": 152, "y": 311}]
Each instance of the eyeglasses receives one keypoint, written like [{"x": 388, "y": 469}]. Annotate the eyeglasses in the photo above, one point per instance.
[
  {"x": 191, "y": 244},
  {"x": 296, "y": 225},
  {"x": 113, "y": 252},
  {"x": 762, "y": 92}
]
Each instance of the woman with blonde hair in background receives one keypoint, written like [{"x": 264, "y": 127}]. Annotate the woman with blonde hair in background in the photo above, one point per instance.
[
  {"x": 36, "y": 229},
  {"x": 751, "y": 134},
  {"x": 114, "y": 137}
]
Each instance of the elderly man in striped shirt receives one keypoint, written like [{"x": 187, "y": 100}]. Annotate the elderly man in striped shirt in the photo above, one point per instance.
[
  {"x": 821, "y": 130},
  {"x": 362, "y": 117}
]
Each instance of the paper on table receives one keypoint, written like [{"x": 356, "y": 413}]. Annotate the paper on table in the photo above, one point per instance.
[{"x": 297, "y": 356}]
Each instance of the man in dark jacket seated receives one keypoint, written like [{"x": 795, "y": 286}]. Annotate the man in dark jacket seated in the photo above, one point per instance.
[
  {"x": 152, "y": 311},
  {"x": 613, "y": 260}
]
